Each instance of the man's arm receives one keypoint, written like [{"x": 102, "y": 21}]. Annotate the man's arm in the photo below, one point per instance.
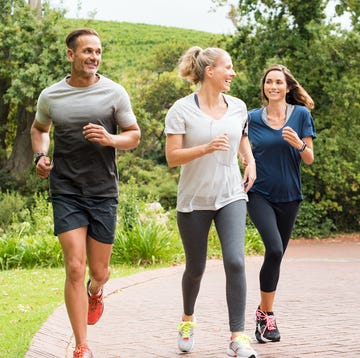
[
  {"x": 128, "y": 138},
  {"x": 40, "y": 141}
]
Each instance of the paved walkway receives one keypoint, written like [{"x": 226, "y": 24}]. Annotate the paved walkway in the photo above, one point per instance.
[{"x": 317, "y": 309}]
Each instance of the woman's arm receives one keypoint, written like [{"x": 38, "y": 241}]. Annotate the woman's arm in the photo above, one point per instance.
[
  {"x": 177, "y": 155},
  {"x": 307, "y": 155},
  {"x": 248, "y": 161}
]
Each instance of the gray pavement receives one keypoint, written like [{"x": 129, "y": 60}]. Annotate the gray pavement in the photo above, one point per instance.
[{"x": 317, "y": 309}]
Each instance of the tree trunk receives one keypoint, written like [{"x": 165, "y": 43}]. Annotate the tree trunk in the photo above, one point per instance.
[
  {"x": 4, "y": 113},
  {"x": 21, "y": 155},
  {"x": 36, "y": 4}
]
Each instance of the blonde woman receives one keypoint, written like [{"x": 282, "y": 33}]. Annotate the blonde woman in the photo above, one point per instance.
[{"x": 205, "y": 132}]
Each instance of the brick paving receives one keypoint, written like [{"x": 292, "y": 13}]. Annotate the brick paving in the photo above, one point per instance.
[{"x": 317, "y": 306}]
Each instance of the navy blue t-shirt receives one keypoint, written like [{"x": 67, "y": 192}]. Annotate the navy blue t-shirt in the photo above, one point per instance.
[{"x": 277, "y": 162}]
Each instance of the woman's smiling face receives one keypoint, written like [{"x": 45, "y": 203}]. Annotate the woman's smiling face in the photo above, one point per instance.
[{"x": 275, "y": 86}]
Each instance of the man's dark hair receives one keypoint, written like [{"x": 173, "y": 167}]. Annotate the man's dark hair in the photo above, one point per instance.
[{"x": 73, "y": 36}]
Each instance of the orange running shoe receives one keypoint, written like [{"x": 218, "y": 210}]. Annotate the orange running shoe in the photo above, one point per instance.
[
  {"x": 96, "y": 306},
  {"x": 82, "y": 351}
]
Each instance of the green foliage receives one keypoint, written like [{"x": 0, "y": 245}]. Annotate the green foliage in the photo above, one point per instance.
[
  {"x": 165, "y": 57},
  {"x": 29, "y": 240},
  {"x": 145, "y": 244},
  {"x": 12, "y": 209},
  {"x": 145, "y": 235},
  {"x": 313, "y": 221},
  {"x": 154, "y": 100},
  {"x": 153, "y": 180},
  {"x": 253, "y": 241}
]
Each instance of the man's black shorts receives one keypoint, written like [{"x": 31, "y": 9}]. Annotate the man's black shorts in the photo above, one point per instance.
[{"x": 97, "y": 213}]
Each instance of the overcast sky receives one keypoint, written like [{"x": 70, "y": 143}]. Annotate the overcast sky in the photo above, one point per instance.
[{"x": 188, "y": 14}]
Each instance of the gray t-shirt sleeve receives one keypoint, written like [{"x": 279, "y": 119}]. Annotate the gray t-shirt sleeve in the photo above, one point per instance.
[
  {"x": 123, "y": 113},
  {"x": 42, "y": 111}
]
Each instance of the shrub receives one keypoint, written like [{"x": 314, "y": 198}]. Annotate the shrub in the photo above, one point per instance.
[
  {"x": 12, "y": 209},
  {"x": 312, "y": 221},
  {"x": 31, "y": 242},
  {"x": 146, "y": 243}
]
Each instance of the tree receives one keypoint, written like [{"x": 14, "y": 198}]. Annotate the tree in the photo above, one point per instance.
[{"x": 31, "y": 57}]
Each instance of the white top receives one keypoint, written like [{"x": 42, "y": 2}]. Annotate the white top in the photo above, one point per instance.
[{"x": 213, "y": 180}]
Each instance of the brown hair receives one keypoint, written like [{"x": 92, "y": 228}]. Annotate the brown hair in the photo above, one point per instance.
[
  {"x": 71, "y": 39},
  {"x": 296, "y": 94},
  {"x": 193, "y": 62}
]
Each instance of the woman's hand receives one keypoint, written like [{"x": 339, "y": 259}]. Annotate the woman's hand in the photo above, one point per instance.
[
  {"x": 249, "y": 176},
  {"x": 220, "y": 142},
  {"x": 290, "y": 136}
]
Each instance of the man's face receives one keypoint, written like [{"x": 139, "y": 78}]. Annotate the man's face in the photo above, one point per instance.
[{"x": 86, "y": 56}]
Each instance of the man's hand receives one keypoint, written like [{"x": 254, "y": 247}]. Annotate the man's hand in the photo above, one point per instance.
[{"x": 43, "y": 167}]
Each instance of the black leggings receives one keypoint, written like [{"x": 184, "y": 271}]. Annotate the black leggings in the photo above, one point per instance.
[
  {"x": 230, "y": 225},
  {"x": 274, "y": 221}
]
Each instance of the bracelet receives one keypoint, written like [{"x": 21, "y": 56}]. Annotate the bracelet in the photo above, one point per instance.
[
  {"x": 303, "y": 147},
  {"x": 37, "y": 157}
]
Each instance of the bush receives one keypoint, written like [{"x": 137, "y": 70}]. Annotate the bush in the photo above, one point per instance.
[
  {"x": 12, "y": 209},
  {"x": 312, "y": 221},
  {"x": 146, "y": 233},
  {"x": 253, "y": 242},
  {"x": 146, "y": 243},
  {"x": 31, "y": 242}
]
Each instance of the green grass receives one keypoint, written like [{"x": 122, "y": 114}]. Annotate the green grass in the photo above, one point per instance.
[{"x": 27, "y": 299}]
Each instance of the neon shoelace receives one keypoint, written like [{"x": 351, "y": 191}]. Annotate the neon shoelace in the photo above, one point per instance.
[
  {"x": 243, "y": 340},
  {"x": 185, "y": 328}
]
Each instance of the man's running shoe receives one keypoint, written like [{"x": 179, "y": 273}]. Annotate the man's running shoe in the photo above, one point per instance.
[
  {"x": 186, "y": 336},
  {"x": 82, "y": 351},
  {"x": 266, "y": 329},
  {"x": 96, "y": 306},
  {"x": 240, "y": 347}
]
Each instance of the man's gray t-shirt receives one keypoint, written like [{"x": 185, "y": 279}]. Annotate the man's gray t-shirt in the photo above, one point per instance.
[
  {"x": 81, "y": 167},
  {"x": 213, "y": 180}
]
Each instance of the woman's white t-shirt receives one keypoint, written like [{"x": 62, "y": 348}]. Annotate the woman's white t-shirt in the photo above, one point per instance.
[{"x": 213, "y": 180}]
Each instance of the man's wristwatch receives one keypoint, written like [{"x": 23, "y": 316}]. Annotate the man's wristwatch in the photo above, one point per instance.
[
  {"x": 37, "y": 157},
  {"x": 303, "y": 147}
]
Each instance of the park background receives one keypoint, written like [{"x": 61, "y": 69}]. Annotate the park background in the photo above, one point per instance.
[{"x": 322, "y": 54}]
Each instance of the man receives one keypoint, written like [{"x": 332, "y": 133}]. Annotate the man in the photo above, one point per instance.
[{"x": 86, "y": 110}]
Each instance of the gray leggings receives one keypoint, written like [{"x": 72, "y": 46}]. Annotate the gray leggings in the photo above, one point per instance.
[{"x": 230, "y": 225}]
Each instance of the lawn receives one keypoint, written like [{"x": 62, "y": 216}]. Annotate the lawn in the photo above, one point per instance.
[{"x": 27, "y": 299}]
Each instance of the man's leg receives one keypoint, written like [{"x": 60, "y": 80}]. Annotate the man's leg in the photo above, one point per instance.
[
  {"x": 73, "y": 244},
  {"x": 98, "y": 255}
]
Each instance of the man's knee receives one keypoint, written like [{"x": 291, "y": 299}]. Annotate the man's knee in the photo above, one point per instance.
[
  {"x": 75, "y": 271},
  {"x": 100, "y": 275}
]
